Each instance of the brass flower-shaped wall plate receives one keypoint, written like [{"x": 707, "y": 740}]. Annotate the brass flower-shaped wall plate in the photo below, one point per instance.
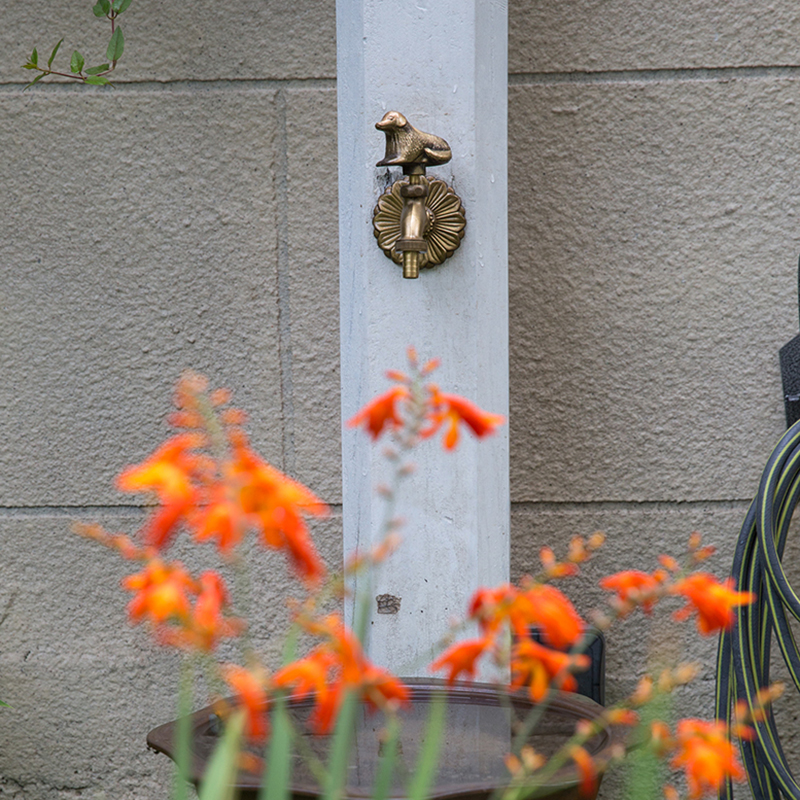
[{"x": 446, "y": 221}]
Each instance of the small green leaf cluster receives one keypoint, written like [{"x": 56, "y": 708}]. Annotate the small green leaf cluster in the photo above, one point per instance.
[{"x": 97, "y": 75}]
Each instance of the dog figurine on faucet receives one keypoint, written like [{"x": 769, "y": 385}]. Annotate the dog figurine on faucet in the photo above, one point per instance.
[
  {"x": 406, "y": 146},
  {"x": 418, "y": 222}
]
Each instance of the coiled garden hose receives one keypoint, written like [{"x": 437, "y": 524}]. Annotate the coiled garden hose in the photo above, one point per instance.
[{"x": 743, "y": 660}]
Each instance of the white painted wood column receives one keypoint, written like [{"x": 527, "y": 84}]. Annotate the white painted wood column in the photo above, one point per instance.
[{"x": 442, "y": 63}]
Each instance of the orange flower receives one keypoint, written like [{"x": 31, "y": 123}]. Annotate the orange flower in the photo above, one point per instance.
[
  {"x": 713, "y": 601},
  {"x": 207, "y": 623},
  {"x": 119, "y": 542},
  {"x": 461, "y": 658},
  {"x": 307, "y": 675},
  {"x": 706, "y": 755},
  {"x": 277, "y": 505},
  {"x": 661, "y": 740},
  {"x": 249, "y": 686},
  {"x": 162, "y": 593},
  {"x": 310, "y": 675},
  {"x": 169, "y": 473},
  {"x": 586, "y": 768},
  {"x": 668, "y": 562},
  {"x": 381, "y": 412},
  {"x": 375, "y": 685},
  {"x": 222, "y": 519},
  {"x": 451, "y": 409},
  {"x": 334, "y": 668},
  {"x": 560, "y": 624},
  {"x": 634, "y": 587},
  {"x": 538, "y": 667},
  {"x": 492, "y": 607},
  {"x": 556, "y": 569},
  {"x": 221, "y": 497},
  {"x": 536, "y": 604},
  {"x": 621, "y": 716},
  {"x": 183, "y": 612},
  {"x": 578, "y": 551},
  {"x": 426, "y": 402},
  {"x": 381, "y": 689}
]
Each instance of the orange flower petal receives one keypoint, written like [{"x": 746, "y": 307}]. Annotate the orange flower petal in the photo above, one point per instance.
[
  {"x": 538, "y": 667},
  {"x": 707, "y": 756},
  {"x": 461, "y": 658},
  {"x": 381, "y": 412},
  {"x": 586, "y": 768},
  {"x": 713, "y": 601},
  {"x": 633, "y": 587},
  {"x": 455, "y": 409},
  {"x": 249, "y": 686}
]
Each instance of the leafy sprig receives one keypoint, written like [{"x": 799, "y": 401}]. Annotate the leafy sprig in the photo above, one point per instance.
[{"x": 96, "y": 75}]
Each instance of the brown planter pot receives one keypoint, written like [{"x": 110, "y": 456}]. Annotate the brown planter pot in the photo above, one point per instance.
[{"x": 479, "y": 722}]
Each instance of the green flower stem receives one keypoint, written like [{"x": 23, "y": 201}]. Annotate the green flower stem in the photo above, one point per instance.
[{"x": 184, "y": 729}]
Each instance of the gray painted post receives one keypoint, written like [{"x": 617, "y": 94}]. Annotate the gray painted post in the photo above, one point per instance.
[{"x": 442, "y": 63}]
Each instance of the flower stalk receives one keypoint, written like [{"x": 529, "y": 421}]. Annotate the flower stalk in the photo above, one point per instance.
[{"x": 209, "y": 484}]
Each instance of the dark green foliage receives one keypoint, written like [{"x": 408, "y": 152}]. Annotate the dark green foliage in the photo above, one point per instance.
[
  {"x": 76, "y": 62},
  {"x": 115, "y": 46},
  {"x": 94, "y": 76}
]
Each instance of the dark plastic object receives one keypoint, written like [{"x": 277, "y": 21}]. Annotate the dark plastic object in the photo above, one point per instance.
[
  {"x": 790, "y": 373},
  {"x": 592, "y": 680},
  {"x": 479, "y": 726}
]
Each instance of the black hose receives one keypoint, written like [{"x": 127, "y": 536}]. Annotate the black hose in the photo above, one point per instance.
[{"x": 744, "y": 651}]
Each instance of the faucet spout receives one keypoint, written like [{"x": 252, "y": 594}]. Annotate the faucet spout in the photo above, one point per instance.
[{"x": 414, "y": 222}]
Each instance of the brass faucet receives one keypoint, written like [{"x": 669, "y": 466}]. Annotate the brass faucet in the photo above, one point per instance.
[
  {"x": 414, "y": 221},
  {"x": 414, "y": 232}
]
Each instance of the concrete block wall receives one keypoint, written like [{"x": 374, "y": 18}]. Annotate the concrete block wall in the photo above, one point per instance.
[{"x": 187, "y": 218}]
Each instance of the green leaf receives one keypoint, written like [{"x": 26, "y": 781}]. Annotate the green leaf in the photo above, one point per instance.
[
  {"x": 101, "y": 8},
  {"x": 98, "y": 80},
  {"x": 97, "y": 70},
  {"x": 218, "y": 783},
  {"x": 123, "y": 5},
  {"x": 183, "y": 732},
  {"x": 53, "y": 54},
  {"x": 428, "y": 761},
  {"x": 29, "y": 66},
  {"x": 34, "y": 57},
  {"x": 388, "y": 756},
  {"x": 35, "y": 80},
  {"x": 116, "y": 46},
  {"x": 278, "y": 765},
  {"x": 341, "y": 746},
  {"x": 76, "y": 62}
]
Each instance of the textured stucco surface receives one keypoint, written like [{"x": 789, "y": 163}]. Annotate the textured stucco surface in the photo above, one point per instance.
[
  {"x": 313, "y": 257},
  {"x": 137, "y": 240},
  {"x": 652, "y": 288},
  {"x": 598, "y": 35}
]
